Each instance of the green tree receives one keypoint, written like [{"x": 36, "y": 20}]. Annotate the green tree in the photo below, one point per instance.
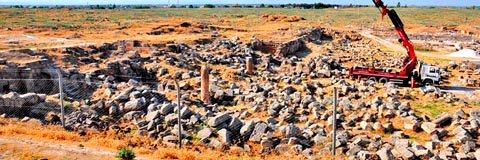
[
  {"x": 208, "y": 6},
  {"x": 399, "y": 5},
  {"x": 262, "y": 5},
  {"x": 236, "y": 5},
  {"x": 270, "y": 6}
]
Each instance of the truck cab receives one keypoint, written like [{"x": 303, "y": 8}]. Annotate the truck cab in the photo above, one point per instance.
[{"x": 429, "y": 75}]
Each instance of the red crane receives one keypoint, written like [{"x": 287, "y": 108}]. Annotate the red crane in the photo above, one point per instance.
[
  {"x": 426, "y": 74},
  {"x": 411, "y": 61}
]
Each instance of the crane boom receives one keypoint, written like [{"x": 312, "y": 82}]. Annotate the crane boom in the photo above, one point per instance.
[
  {"x": 426, "y": 74},
  {"x": 409, "y": 62}
]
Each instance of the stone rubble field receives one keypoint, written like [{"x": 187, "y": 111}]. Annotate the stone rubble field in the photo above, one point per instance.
[{"x": 283, "y": 104}]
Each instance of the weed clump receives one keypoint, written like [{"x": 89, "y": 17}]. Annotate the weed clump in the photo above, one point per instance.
[{"x": 125, "y": 154}]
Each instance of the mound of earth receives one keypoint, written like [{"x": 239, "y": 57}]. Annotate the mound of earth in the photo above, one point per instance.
[
  {"x": 465, "y": 53},
  {"x": 281, "y": 18}
]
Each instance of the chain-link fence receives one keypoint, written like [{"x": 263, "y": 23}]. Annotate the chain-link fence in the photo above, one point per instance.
[
  {"x": 23, "y": 95},
  {"x": 105, "y": 102},
  {"x": 29, "y": 97},
  {"x": 39, "y": 97},
  {"x": 78, "y": 102}
]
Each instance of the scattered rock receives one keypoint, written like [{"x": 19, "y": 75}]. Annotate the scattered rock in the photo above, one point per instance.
[{"x": 219, "y": 119}]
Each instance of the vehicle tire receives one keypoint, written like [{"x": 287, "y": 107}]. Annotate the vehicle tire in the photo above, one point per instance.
[
  {"x": 428, "y": 82},
  {"x": 383, "y": 80},
  {"x": 373, "y": 79},
  {"x": 405, "y": 82}
]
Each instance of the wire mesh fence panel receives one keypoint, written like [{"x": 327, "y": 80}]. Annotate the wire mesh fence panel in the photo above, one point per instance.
[
  {"x": 101, "y": 104},
  {"x": 36, "y": 98}
]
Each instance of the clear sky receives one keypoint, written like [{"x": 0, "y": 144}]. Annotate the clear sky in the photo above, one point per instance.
[{"x": 363, "y": 2}]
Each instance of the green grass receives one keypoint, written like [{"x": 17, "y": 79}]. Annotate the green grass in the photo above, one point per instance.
[
  {"x": 196, "y": 138},
  {"x": 133, "y": 131},
  {"x": 67, "y": 104},
  {"x": 432, "y": 60},
  {"x": 18, "y": 17},
  {"x": 241, "y": 157},
  {"x": 424, "y": 50},
  {"x": 67, "y": 157},
  {"x": 388, "y": 51},
  {"x": 475, "y": 104},
  {"x": 433, "y": 109}
]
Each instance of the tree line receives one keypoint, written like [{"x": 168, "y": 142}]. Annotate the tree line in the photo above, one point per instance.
[{"x": 289, "y": 5}]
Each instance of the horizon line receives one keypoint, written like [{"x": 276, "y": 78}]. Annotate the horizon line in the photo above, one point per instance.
[{"x": 220, "y": 4}]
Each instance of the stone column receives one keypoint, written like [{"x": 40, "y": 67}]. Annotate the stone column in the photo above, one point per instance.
[
  {"x": 249, "y": 64},
  {"x": 205, "y": 93}
]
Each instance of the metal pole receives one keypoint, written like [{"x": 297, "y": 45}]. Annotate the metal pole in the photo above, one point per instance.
[
  {"x": 358, "y": 11},
  {"x": 334, "y": 138},
  {"x": 179, "y": 117},
  {"x": 60, "y": 87}
]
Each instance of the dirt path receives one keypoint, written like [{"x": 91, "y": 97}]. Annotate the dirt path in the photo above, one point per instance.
[
  {"x": 21, "y": 148},
  {"x": 50, "y": 47},
  {"x": 24, "y": 39},
  {"x": 400, "y": 48}
]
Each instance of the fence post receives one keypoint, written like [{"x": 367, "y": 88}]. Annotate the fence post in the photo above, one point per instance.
[
  {"x": 334, "y": 138},
  {"x": 60, "y": 91},
  {"x": 179, "y": 115}
]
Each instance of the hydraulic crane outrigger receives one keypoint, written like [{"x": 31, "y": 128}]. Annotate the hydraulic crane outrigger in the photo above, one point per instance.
[{"x": 426, "y": 74}]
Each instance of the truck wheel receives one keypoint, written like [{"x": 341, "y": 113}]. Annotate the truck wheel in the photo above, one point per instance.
[
  {"x": 428, "y": 82},
  {"x": 405, "y": 82},
  {"x": 383, "y": 80},
  {"x": 372, "y": 79}
]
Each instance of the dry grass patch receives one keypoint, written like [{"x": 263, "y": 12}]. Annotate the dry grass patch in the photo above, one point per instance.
[
  {"x": 111, "y": 141},
  {"x": 15, "y": 152}
]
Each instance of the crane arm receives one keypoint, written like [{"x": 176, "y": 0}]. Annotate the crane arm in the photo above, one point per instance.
[{"x": 411, "y": 61}]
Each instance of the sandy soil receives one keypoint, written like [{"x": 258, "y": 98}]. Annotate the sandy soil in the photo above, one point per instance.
[{"x": 35, "y": 148}]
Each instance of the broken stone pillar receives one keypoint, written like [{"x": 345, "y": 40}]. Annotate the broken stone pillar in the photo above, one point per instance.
[
  {"x": 249, "y": 65},
  {"x": 204, "y": 84}
]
